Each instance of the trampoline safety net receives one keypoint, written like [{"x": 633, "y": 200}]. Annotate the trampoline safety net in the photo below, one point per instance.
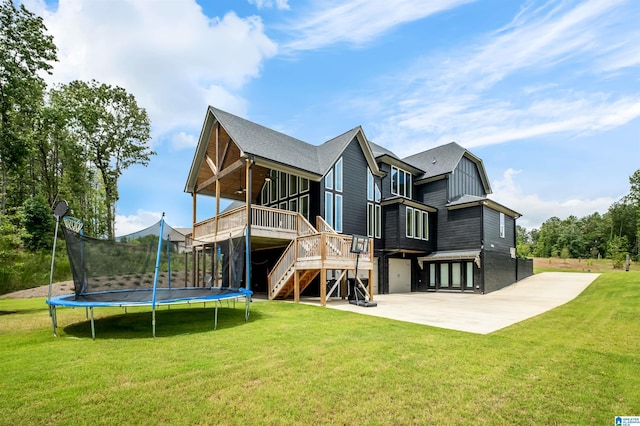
[{"x": 129, "y": 262}]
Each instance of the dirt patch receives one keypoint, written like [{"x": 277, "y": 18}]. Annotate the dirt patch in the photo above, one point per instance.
[{"x": 57, "y": 289}]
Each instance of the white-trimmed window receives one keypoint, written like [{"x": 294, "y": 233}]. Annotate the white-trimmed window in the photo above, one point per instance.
[
  {"x": 425, "y": 226},
  {"x": 293, "y": 205},
  {"x": 304, "y": 184},
  {"x": 282, "y": 179},
  {"x": 338, "y": 217},
  {"x": 338, "y": 175},
  {"x": 328, "y": 208},
  {"x": 501, "y": 225},
  {"x": 264, "y": 195},
  {"x": 401, "y": 182},
  {"x": 303, "y": 206},
  {"x": 328, "y": 180},
  {"x": 371, "y": 217},
  {"x": 378, "y": 194},
  {"x": 417, "y": 224},
  {"x": 378, "y": 221},
  {"x": 369, "y": 185},
  {"x": 293, "y": 185},
  {"x": 409, "y": 222}
]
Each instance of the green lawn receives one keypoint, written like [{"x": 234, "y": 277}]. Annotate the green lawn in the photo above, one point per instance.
[{"x": 577, "y": 364}]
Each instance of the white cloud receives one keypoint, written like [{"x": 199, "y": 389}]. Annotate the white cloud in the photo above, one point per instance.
[
  {"x": 142, "y": 219},
  {"x": 172, "y": 57},
  {"x": 536, "y": 209},
  {"x": 265, "y": 4},
  {"x": 183, "y": 140},
  {"x": 356, "y": 22},
  {"x": 550, "y": 70}
]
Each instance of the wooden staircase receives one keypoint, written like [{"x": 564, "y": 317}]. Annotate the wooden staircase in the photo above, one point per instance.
[{"x": 310, "y": 255}]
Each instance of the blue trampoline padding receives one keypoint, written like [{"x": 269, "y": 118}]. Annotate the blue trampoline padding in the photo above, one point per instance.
[{"x": 144, "y": 297}]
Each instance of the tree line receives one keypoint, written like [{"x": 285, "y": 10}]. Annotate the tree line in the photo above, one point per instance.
[
  {"x": 612, "y": 235},
  {"x": 69, "y": 141}
]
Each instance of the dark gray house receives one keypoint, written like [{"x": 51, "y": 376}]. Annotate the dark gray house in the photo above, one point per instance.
[{"x": 430, "y": 223}]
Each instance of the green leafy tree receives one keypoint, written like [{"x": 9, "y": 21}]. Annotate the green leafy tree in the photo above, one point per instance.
[
  {"x": 37, "y": 223},
  {"x": 25, "y": 51},
  {"x": 634, "y": 196},
  {"x": 113, "y": 130}
]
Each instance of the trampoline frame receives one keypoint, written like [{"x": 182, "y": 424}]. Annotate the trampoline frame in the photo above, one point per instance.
[
  {"x": 111, "y": 298},
  {"x": 231, "y": 294}
]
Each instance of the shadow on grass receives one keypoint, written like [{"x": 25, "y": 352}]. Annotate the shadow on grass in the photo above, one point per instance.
[
  {"x": 169, "y": 322},
  {"x": 21, "y": 311}
]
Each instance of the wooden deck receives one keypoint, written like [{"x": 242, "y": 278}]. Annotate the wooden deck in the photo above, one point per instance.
[{"x": 309, "y": 252}]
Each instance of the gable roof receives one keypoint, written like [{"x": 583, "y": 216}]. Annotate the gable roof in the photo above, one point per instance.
[
  {"x": 275, "y": 150},
  {"x": 267, "y": 143},
  {"x": 442, "y": 160}
]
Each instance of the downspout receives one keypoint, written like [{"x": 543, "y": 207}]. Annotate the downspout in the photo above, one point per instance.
[{"x": 483, "y": 260}]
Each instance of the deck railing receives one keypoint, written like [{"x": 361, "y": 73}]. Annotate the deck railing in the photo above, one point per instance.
[
  {"x": 267, "y": 218},
  {"x": 318, "y": 247}
]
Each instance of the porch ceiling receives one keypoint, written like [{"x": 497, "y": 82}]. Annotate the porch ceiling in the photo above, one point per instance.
[{"x": 231, "y": 169}]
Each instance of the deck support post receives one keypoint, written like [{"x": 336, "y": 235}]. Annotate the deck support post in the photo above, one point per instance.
[{"x": 296, "y": 286}]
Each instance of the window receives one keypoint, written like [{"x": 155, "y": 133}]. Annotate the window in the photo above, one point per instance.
[
  {"x": 417, "y": 224},
  {"x": 378, "y": 221},
  {"x": 304, "y": 184},
  {"x": 328, "y": 180},
  {"x": 282, "y": 178},
  {"x": 328, "y": 208},
  {"x": 338, "y": 225},
  {"x": 293, "y": 205},
  {"x": 338, "y": 172},
  {"x": 369, "y": 185},
  {"x": 273, "y": 190},
  {"x": 303, "y": 206},
  {"x": 444, "y": 275},
  {"x": 293, "y": 185},
  {"x": 378, "y": 196},
  {"x": 469, "y": 275},
  {"x": 264, "y": 195},
  {"x": 501, "y": 225},
  {"x": 283, "y": 205},
  {"x": 370, "y": 220},
  {"x": 400, "y": 182},
  {"x": 394, "y": 180},
  {"x": 409, "y": 222},
  {"x": 456, "y": 274},
  {"x": 425, "y": 226}
]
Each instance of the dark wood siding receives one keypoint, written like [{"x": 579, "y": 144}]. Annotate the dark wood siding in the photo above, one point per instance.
[
  {"x": 465, "y": 180},
  {"x": 354, "y": 190},
  {"x": 492, "y": 239},
  {"x": 459, "y": 229}
]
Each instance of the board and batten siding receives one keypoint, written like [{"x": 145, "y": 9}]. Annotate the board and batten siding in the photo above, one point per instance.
[
  {"x": 465, "y": 180},
  {"x": 354, "y": 190},
  {"x": 500, "y": 268}
]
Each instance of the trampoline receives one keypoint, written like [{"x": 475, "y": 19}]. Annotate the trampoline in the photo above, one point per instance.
[{"x": 148, "y": 268}]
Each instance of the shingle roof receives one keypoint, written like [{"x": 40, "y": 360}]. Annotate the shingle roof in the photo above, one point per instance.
[
  {"x": 379, "y": 151},
  {"x": 261, "y": 141},
  {"x": 437, "y": 161}
]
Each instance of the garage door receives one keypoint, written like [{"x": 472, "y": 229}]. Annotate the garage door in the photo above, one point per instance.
[{"x": 399, "y": 275}]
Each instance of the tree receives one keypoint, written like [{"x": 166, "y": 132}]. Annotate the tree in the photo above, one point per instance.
[
  {"x": 112, "y": 129},
  {"x": 37, "y": 222},
  {"x": 25, "y": 51},
  {"x": 634, "y": 196}
]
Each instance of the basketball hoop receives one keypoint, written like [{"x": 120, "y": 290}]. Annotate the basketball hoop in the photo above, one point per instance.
[{"x": 73, "y": 224}]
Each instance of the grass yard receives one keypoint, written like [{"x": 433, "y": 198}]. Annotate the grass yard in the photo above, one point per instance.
[
  {"x": 577, "y": 364},
  {"x": 556, "y": 264}
]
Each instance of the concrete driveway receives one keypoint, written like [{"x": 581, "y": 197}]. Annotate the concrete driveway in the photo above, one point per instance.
[{"x": 477, "y": 313}]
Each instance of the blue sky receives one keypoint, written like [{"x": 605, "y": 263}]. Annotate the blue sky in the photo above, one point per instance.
[{"x": 546, "y": 93}]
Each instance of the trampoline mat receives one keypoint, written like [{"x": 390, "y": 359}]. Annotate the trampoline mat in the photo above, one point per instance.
[{"x": 145, "y": 296}]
